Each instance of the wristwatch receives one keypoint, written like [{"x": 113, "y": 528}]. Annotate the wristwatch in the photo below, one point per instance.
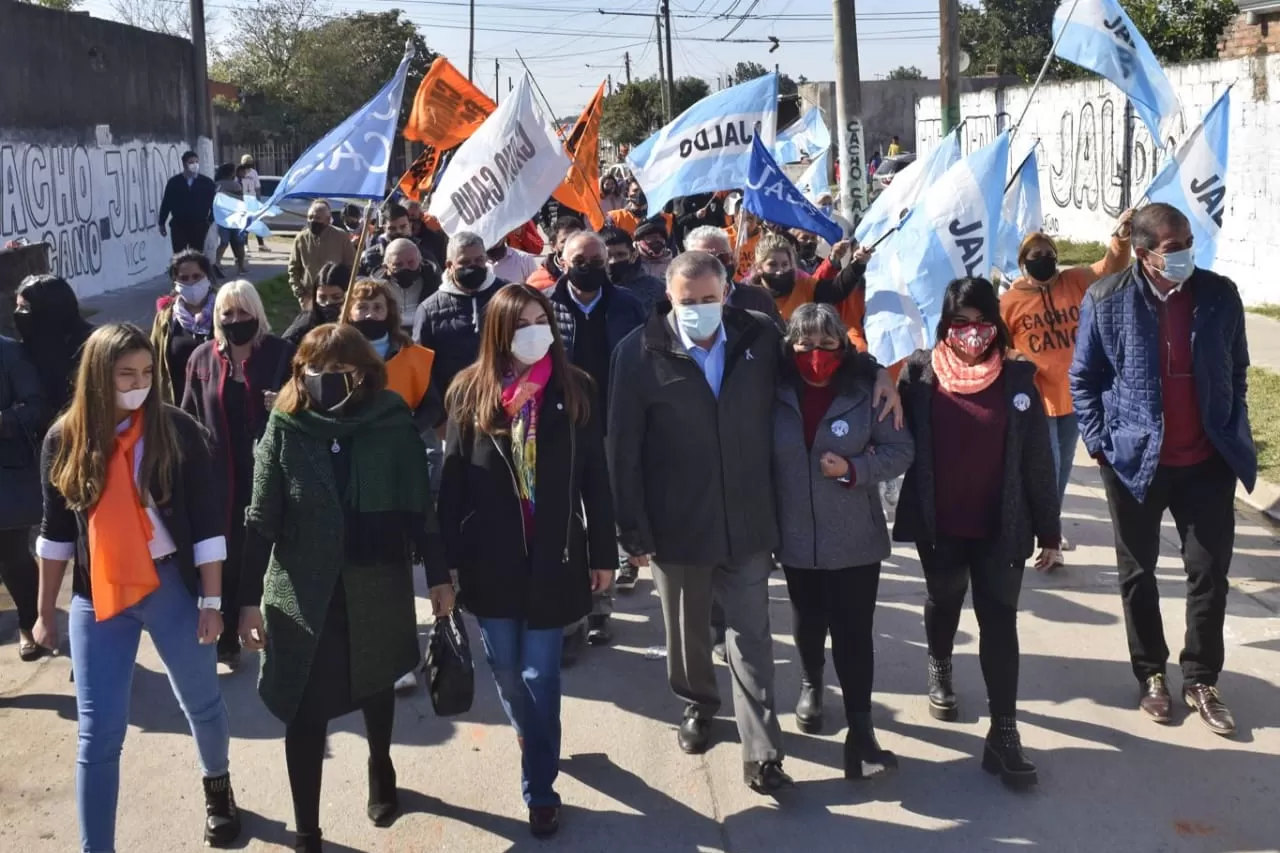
[{"x": 210, "y": 602}]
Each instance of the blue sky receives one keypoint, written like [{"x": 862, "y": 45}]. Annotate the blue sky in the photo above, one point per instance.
[{"x": 570, "y": 46}]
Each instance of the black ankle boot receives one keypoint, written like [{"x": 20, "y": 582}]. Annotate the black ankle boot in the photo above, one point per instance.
[
  {"x": 942, "y": 696},
  {"x": 222, "y": 818},
  {"x": 384, "y": 801},
  {"x": 1003, "y": 755},
  {"x": 863, "y": 757},
  {"x": 307, "y": 842},
  {"x": 809, "y": 707}
]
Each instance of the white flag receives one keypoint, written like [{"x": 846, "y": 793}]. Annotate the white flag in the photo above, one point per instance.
[{"x": 503, "y": 174}]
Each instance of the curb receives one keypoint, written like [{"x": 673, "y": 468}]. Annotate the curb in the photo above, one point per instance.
[{"x": 1265, "y": 498}]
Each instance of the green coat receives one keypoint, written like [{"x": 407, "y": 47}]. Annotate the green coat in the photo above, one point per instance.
[{"x": 297, "y": 507}]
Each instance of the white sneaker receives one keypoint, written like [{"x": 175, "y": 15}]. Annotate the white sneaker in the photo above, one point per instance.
[{"x": 407, "y": 683}]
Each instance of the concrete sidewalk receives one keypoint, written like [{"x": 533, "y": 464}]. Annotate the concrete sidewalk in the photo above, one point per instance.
[
  {"x": 1111, "y": 782},
  {"x": 1264, "y": 341}
]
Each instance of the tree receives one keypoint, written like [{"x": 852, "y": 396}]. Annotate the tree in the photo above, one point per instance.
[
  {"x": 744, "y": 71},
  {"x": 1014, "y": 36},
  {"x": 60, "y": 5},
  {"x": 906, "y": 72},
  {"x": 160, "y": 16},
  {"x": 634, "y": 112}
]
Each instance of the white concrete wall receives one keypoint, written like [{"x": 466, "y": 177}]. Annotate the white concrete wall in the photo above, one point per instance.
[
  {"x": 1080, "y": 127},
  {"x": 95, "y": 203}
]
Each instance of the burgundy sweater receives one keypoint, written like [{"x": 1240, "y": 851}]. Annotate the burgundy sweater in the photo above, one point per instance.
[
  {"x": 968, "y": 460},
  {"x": 1185, "y": 441}
]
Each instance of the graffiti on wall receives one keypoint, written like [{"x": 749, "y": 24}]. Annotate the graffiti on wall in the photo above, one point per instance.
[{"x": 96, "y": 206}]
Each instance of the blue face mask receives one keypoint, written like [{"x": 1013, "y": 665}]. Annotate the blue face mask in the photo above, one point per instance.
[
  {"x": 381, "y": 346},
  {"x": 1179, "y": 265},
  {"x": 700, "y": 322}
]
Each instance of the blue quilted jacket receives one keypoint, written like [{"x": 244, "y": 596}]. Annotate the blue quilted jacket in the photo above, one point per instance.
[{"x": 1115, "y": 377}]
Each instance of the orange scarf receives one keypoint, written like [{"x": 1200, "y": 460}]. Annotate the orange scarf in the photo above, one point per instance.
[
  {"x": 122, "y": 572},
  {"x": 959, "y": 378}
]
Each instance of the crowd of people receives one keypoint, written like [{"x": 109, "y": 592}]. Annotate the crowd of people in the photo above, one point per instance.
[{"x": 531, "y": 432}]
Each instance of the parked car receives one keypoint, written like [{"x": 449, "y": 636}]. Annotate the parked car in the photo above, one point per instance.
[{"x": 889, "y": 167}]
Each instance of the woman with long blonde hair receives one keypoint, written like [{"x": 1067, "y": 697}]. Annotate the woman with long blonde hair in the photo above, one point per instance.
[{"x": 126, "y": 494}]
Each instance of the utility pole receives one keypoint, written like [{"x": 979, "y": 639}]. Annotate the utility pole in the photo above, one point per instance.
[
  {"x": 471, "y": 46},
  {"x": 610, "y": 79},
  {"x": 662, "y": 75},
  {"x": 853, "y": 181},
  {"x": 496, "y": 85},
  {"x": 204, "y": 121},
  {"x": 626, "y": 59},
  {"x": 949, "y": 50},
  {"x": 671, "y": 73}
]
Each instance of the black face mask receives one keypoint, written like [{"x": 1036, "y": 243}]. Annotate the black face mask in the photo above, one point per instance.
[
  {"x": 470, "y": 278},
  {"x": 241, "y": 332},
  {"x": 406, "y": 278},
  {"x": 317, "y": 228},
  {"x": 371, "y": 329},
  {"x": 27, "y": 325},
  {"x": 589, "y": 278},
  {"x": 780, "y": 283},
  {"x": 807, "y": 250},
  {"x": 329, "y": 313},
  {"x": 620, "y": 270},
  {"x": 329, "y": 392},
  {"x": 1042, "y": 268}
]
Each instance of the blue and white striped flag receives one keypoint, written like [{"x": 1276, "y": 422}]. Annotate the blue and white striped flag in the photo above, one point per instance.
[
  {"x": 242, "y": 214},
  {"x": 905, "y": 190},
  {"x": 1099, "y": 36},
  {"x": 816, "y": 179},
  {"x": 1021, "y": 215},
  {"x": 807, "y": 135},
  {"x": 948, "y": 235},
  {"x": 707, "y": 148},
  {"x": 1195, "y": 180}
]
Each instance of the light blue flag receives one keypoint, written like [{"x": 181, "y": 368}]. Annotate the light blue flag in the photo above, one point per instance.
[
  {"x": 1195, "y": 180},
  {"x": 1021, "y": 216},
  {"x": 1099, "y": 36},
  {"x": 707, "y": 148},
  {"x": 242, "y": 214},
  {"x": 948, "y": 235},
  {"x": 902, "y": 194},
  {"x": 351, "y": 161},
  {"x": 816, "y": 179},
  {"x": 769, "y": 194},
  {"x": 806, "y": 136}
]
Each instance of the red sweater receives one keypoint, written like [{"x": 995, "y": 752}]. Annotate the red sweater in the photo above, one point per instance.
[
  {"x": 1185, "y": 441},
  {"x": 968, "y": 460}
]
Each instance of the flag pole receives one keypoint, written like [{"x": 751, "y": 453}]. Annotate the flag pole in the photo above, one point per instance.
[
  {"x": 1043, "y": 69},
  {"x": 355, "y": 267},
  {"x": 1014, "y": 177}
]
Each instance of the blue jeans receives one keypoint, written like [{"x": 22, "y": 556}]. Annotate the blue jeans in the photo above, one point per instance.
[
  {"x": 102, "y": 659},
  {"x": 1064, "y": 434},
  {"x": 526, "y": 666}
]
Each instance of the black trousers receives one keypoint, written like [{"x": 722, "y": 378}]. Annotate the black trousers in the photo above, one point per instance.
[
  {"x": 20, "y": 575},
  {"x": 187, "y": 235},
  {"x": 304, "y": 741},
  {"x": 841, "y": 602},
  {"x": 1202, "y": 501},
  {"x": 230, "y": 639},
  {"x": 948, "y": 567}
]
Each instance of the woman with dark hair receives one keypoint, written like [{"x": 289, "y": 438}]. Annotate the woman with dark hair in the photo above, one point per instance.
[
  {"x": 830, "y": 453},
  {"x": 184, "y": 320},
  {"x": 524, "y": 459},
  {"x": 327, "y": 297},
  {"x": 340, "y": 500},
  {"x": 981, "y": 491},
  {"x": 126, "y": 494},
  {"x": 47, "y": 317},
  {"x": 22, "y": 418}
]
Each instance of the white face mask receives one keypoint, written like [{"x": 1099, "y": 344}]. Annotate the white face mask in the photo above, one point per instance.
[
  {"x": 195, "y": 292},
  {"x": 193, "y": 168},
  {"x": 531, "y": 343},
  {"x": 131, "y": 401}
]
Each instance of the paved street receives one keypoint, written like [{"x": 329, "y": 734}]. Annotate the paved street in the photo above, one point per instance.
[{"x": 1110, "y": 781}]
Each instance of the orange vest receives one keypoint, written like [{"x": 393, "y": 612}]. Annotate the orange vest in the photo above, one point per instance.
[{"x": 409, "y": 374}]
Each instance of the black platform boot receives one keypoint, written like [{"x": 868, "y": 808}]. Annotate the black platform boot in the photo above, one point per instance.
[
  {"x": 384, "y": 801},
  {"x": 863, "y": 757},
  {"x": 942, "y": 696},
  {"x": 1003, "y": 755},
  {"x": 222, "y": 818},
  {"x": 307, "y": 842},
  {"x": 809, "y": 707}
]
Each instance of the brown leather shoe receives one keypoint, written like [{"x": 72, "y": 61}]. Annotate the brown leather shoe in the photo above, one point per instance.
[
  {"x": 1155, "y": 700},
  {"x": 1213, "y": 711}
]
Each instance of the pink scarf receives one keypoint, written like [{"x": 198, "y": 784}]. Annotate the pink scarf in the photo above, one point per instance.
[
  {"x": 957, "y": 377},
  {"x": 521, "y": 400}
]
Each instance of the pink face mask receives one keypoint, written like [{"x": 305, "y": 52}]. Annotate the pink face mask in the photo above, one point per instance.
[{"x": 971, "y": 339}]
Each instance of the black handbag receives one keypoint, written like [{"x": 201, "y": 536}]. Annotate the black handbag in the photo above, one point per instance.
[{"x": 451, "y": 673}]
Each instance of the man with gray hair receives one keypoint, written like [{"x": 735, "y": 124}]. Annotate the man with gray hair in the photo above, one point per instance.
[
  {"x": 690, "y": 452},
  {"x": 318, "y": 245},
  {"x": 448, "y": 321},
  {"x": 744, "y": 295},
  {"x": 414, "y": 277}
]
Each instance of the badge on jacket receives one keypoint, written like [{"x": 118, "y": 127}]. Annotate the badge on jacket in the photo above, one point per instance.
[
  {"x": 839, "y": 428},
  {"x": 1021, "y": 402}
]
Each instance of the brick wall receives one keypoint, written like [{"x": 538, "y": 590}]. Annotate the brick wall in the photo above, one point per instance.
[{"x": 1242, "y": 38}]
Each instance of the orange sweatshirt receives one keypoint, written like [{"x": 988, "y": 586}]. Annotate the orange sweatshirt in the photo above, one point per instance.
[{"x": 1044, "y": 319}]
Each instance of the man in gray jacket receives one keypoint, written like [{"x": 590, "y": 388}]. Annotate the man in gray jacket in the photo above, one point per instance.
[{"x": 690, "y": 444}]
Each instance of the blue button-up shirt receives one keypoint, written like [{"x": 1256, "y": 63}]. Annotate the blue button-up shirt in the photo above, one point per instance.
[
  {"x": 710, "y": 362},
  {"x": 587, "y": 306}
]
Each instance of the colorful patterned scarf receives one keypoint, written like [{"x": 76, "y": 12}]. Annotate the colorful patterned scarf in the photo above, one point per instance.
[
  {"x": 521, "y": 399},
  {"x": 196, "y": 324},
  {"x": 959, "y": 378}
]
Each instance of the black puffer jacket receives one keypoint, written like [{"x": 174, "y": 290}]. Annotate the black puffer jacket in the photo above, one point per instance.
[
  {"x": 22, "y": 416},
  {"x": 448, "y": 323}
]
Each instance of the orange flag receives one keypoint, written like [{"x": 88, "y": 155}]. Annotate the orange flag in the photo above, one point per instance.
[
  {"x": 447, "y": 108},
  {"x": 581, "y": 188},
  {"x": 418, "y": 179}
]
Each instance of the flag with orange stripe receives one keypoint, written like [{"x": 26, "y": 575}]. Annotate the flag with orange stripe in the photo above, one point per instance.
[{"x": 581, "y": 188}]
